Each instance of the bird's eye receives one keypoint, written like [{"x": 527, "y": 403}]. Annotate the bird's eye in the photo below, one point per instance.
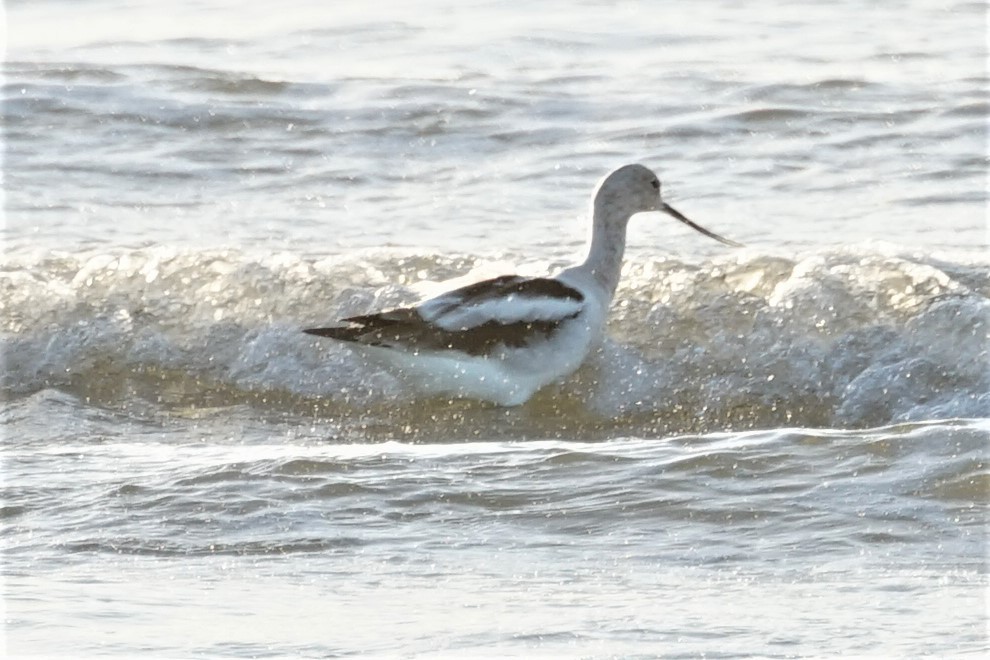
[{"x": 656, "y": 184}]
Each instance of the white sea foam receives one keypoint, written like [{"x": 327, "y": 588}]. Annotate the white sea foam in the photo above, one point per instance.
[{"x": 829, "y": 338}]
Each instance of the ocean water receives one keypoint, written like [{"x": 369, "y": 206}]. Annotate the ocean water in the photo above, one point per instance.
[{"x": 780, "y": 450}]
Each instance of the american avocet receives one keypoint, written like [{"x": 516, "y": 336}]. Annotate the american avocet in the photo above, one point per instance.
[{"x": 503, "y": 339}]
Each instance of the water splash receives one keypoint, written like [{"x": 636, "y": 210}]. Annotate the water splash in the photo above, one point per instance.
[{"x": 847, "y": 338}]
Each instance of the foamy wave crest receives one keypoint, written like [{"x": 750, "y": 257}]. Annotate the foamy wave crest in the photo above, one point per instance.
[{"x": 840, "y": 338}]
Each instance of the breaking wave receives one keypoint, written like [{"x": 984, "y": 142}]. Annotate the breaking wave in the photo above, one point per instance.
[{"x": 849, "y": 338}]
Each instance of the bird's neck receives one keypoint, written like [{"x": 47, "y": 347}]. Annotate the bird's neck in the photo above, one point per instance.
[{"x": 606, "y": 244}]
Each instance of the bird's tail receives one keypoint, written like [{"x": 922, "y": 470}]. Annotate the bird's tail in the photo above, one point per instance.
[{"x": 341, "y": 333}]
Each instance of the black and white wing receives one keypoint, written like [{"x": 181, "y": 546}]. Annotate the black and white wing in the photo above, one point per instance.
[{"x": 511, "y": 310}]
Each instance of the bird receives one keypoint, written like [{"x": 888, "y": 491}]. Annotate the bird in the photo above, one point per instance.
[{"x": 503, "y": 339}]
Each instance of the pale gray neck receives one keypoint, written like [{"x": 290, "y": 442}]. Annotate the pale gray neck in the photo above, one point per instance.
[{"x": 607, "y": 243}]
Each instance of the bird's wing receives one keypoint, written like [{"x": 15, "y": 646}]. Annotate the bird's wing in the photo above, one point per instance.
[
  {"x": 503, "y": 300},
  {"x": 508, "y": 310}
]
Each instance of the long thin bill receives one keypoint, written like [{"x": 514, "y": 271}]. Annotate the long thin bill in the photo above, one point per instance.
[{"x": 667, "y": 208}]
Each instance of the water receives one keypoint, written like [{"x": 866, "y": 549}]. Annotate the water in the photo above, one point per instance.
[{"x": 780, "y": 451}]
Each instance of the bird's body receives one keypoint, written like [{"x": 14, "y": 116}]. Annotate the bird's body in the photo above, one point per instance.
[
  {"x": 499, "y": 340},
  {"x": 503, "y": 339}
]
